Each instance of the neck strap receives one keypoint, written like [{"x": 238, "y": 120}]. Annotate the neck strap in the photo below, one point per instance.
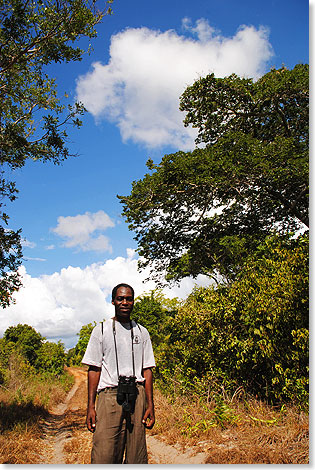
[{"x": 133, "y": 356}]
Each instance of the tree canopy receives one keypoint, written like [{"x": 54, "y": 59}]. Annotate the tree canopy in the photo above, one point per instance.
[
  {"x": 26, "y": 338},
  {"x": 33, "y": 120},
  {"x": 205, "y": 211}
]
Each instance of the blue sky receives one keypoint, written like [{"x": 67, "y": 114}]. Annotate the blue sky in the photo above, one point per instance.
[{"x": 77, "y": 246}]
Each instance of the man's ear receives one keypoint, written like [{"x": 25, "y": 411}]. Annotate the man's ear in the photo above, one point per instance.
[{"x": 113, "y": 302}]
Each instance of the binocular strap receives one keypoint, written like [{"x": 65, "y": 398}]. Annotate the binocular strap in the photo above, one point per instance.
[{"x": 133, "y": 356}]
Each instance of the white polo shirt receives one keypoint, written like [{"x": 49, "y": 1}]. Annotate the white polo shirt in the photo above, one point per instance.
[{"x": 100, "y": 352}]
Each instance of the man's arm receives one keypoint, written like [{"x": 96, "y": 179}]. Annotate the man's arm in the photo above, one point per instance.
[
  {"x": 148, "y": 418},
  {"x": 93, "y": 379}
]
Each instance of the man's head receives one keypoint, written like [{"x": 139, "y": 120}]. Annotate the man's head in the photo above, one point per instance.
[
  {"x": 114, "y": 291},
  {"x": 123, "y": 299}
]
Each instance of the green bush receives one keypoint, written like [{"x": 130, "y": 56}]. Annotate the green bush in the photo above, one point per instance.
[
  {"x": 75, "y": 355},
  {"x": 51, "y": 358},
  {"x": 253, "y": 333},
  {"x": 155, "y": 312}
]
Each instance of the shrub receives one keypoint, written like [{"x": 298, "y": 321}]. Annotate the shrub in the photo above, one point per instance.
[{"x": 253, "y": 333}]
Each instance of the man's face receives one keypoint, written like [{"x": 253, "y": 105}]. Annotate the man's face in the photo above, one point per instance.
[{"x": 123, "y": 303}]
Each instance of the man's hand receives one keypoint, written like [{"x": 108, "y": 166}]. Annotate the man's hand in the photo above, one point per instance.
[
  {"x": 93, "y": 379},
  {"x": 148, "y": 418},
  {"x": 91, "y": 419}
]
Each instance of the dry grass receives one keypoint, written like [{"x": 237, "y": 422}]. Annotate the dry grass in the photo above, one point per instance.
[
  {"x": 24, "y": 402},
  {"x": 238, "y": 432},
  {"x": 18, "y": 447},
  {"x": 78, "y": 449}
]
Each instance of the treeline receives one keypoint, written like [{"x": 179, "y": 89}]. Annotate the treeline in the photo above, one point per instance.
[{"x": 24, "y": 348}]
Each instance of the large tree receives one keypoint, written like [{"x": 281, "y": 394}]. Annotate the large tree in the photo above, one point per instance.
[
  {"x": 26, "y": 338},
  {"x": 204, "y": 211},
  {"x": 35, "y": 34}
]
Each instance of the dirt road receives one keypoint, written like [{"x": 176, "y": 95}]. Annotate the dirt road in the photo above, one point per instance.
[{"x": 67, "y": 441}]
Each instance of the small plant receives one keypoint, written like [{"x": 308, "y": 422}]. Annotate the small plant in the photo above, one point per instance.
[{"x": 223, "y": 415}]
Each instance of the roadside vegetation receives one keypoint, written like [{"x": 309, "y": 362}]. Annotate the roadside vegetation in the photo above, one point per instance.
[
  {"x": 32, "y": 380},
  {"x": 233, "y": 430}
]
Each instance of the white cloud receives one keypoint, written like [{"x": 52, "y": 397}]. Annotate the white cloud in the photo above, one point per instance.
[
  {"x": 27, "y": 243},
  {"x": 139, "y": 88},
  {"x": 50, "y": 247},
  {"x": 202, "y": 30},
  {"x": 79, "y": 231},
  {"x": 58, "y": 305}
]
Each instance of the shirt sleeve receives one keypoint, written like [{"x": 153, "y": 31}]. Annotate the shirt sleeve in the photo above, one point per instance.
[
  {"x": 94, "y": 352},
  {"x": 148, "y": 356}
]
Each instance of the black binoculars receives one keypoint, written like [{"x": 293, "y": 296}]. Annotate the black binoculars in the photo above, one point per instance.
[{"x": 127, "y": 392}]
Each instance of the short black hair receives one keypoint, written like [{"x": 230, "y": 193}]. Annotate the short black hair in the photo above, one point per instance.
[{"x": 114, "y": 291}]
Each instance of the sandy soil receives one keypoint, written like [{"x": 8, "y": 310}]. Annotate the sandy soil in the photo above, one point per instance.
[
  {"x": 66, "y": 425},
  {"x": 162, "y": 453}
]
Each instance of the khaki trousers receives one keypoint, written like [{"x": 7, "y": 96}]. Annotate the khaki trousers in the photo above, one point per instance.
[{"x": 118, "y": 433}]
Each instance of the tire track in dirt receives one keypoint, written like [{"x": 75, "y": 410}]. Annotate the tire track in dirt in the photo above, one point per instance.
[{"x": 57, "y": 429}]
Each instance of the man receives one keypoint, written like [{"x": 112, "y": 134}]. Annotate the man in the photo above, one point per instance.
[{"x": 120, "y": 347}]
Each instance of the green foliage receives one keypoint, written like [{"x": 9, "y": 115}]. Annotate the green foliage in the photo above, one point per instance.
[
  {"x": 253, "y": 333},
  {"x": 154, "y": 312},
  {"x": 206, "y": 211},
  {"x": 27, "y": 340},
  {"x": 51, "y": 358},
  {"x": 223, "y": 415},
  {"x": 34, "y": 35},
  {"x": 274, "y": 105},
  {"x": 22, "y": 347},
  {"x": 75, "y": 355}
]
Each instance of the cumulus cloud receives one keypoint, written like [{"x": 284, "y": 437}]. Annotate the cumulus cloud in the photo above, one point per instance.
[
  {"x": 59, "y": 304},
  {"x": 139, "y": 88},
  {"x": 82, "y": 231}
]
